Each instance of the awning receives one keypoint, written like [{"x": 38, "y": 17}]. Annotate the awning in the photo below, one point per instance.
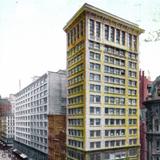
[
  {"x": 23, "y": 155},
  {"x": 14, "y": 150}
]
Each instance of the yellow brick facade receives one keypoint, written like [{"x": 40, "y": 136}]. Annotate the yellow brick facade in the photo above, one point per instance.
[{"x": 103, "y": 86}]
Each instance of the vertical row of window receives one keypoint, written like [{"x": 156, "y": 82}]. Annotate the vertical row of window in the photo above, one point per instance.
[
  {"x": 75, "y": 33},
  {"x": 76, "y": 56},
  {"x": 112, "y": 34}
]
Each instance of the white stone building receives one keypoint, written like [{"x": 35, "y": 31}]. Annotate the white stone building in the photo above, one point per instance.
[{"x": 44, "y": 96}]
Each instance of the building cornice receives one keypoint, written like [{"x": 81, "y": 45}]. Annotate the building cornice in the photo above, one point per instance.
[{"x": 89, "y": 8}]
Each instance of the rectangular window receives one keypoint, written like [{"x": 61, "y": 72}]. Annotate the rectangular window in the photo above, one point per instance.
[
  {"x": 112, "y": 143},
  {"x": 91, "y": 144},
  {"x": 82, "y": 28},
  {"x": 95, "y": 98},
  {"x": 135, "y": 42},
  {"x": 156, "y": 123},
  {"x": 94, "y": 56},
  {"x": 95, "y": 122},
  {"x": 106, "y": 132},
  {"x": 74, "y": 32},
  {"x": 98, "y": 144},
  {"x": 132, "y": 55},
  {"x": 95, "y": 66},
  {"x": 106, "y": 121},
  {"x": 92, "y": 110},
  {"x": 107, "y": 145},
  {"x": 91, "y": 27},
  {"x": 132, "y": 74},
  {"x": 123, "y": 38},
  {"x": 112, "y": 34},
  {"x": 98, "y": 122},
  {"x": 97, "y": 46},
  {"x": 117, "y": 36},
  {"x": 158, "y": 145},
  {"x": 92, "y": 122},
  {"x": 91, "y": 133},
  {"x": 68, "y": 38},
  {"x": 98, "y": 110},
  {"x": 71, "y": 36},
  {"x": 106, "y": 32},
  {"x": 91, "y": 44},
  {"x": 98, "y": 29},
  {"x": 95, "y": 77},
  {"x": 78, "y": 31},
  {"x": 129, "y": 40}
]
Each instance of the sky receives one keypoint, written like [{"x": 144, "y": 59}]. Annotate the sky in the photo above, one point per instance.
[{"x": 32, "y": 40}]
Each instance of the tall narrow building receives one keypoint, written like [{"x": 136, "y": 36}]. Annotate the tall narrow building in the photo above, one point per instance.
[
  {"x": 103, "y": 86},
  {"x": 144, "y": 83}
]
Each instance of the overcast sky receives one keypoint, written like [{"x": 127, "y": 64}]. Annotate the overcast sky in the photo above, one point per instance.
[{"x": 32, "y": 40}]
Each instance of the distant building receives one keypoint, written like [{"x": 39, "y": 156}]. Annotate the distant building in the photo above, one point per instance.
[
  {"x": 152, "y": 105},
  {"x": 103, "y": 86},
  {"x": 6, "y": 122},
  {"x": 143, "y": 92},
  {"x": 43, "y": 98}
]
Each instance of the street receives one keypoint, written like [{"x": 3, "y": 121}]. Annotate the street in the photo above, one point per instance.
[{"x": 6, "y": 154}]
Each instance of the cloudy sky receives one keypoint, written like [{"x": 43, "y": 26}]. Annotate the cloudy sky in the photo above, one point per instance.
[{"x": 32, "y": 40}]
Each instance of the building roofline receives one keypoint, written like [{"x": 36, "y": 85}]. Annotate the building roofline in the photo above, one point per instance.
[
  {"x": 46, "y": 73},
  {"x": 88, "y": 7},
  {"x": 31, "y": 83},
  {"x": 60, "y": 71}
]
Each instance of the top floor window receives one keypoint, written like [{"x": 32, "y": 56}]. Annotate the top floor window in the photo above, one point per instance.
[
  {"x": 98, "y": 29},
  {"x": 68, "y": 38},
  {"x": 82, "y": 28},
  {"x": 117, "y": 36},
  {"x": 74, "y": 34},
  {"x": 91, "y": 27},
  {"x": 112, "y": 34},
  {"x": 135, "y": 42},
  {"x": 129, "y": 41},
  {"x": 123, "y": 38},
  {"x": 71, "y": 36},
  {"x": 78, "y": 31},
  {"x": 106, "y": 32}
]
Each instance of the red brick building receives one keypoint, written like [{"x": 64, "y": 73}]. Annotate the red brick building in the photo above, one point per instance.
[
  {"x": 6, "y": 128},
  {"x": 56, "y": 137},
  {"x": 143, "y": 92},
  {"x": 5, "y": 106}
]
